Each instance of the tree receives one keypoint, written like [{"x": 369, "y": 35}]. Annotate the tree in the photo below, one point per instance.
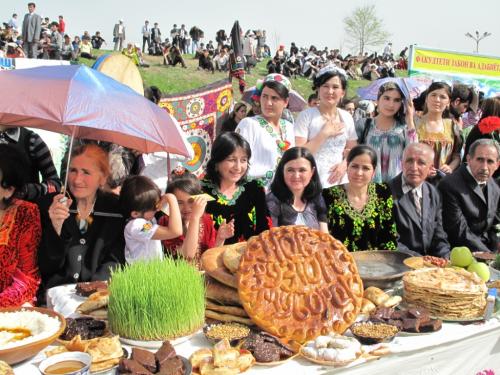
[{"x": 364, "y": 28}]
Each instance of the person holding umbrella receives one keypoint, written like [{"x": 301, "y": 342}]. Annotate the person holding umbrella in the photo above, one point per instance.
[
  {"x": 328, "y": 131},
  {"x": 82, "y": 236},
  {"x": 268, "y": 134}
]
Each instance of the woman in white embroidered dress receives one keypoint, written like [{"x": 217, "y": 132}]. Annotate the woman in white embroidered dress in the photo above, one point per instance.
[{"x": 268, "y": 134}]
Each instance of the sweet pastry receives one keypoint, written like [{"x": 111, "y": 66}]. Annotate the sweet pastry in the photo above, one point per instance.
[
  {"x": 85, "y": 289},
  {"x": 298, "y": 283},
  {"x": 227, "y": 317},
  {"x": 85, "y": 326},
  {"x": 367, "y": 306},
  {"x": 376, "y": 295},
  {"x": 213, "y": 264},
  {"x": 266, "y": 348},
  {"x": 233, "y": 310},
  {"x": 332, "y": 348},
  {"x": 94, "y": 302}
]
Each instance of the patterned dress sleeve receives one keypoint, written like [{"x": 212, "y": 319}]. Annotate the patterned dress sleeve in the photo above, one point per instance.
[
  {"x": 26, "y": 278},
  {"x": 387, "y": 235}
]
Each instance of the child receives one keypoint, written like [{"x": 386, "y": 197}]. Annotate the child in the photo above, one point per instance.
[
  {"x": 199, "y": 233},
  {"x": 140, "y": 199}
]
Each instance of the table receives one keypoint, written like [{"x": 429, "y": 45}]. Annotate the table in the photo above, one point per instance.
[{"x": 456, "y": 349}]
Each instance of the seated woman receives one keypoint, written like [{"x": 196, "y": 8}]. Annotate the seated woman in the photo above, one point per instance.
[
  {"x": 360, "y": 212},
  {"x": 198, "y": 231},
  {"x": 239, "y": 203},
  {"x": 20, "y": 233},
  {"x": 295, "y": 196},
  {"x": 82, "y": 237}
]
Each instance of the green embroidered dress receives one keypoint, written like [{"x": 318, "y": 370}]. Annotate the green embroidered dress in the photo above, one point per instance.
[
  {"x": 373, "y": 228},
  {"x": 247, "y": 207}
]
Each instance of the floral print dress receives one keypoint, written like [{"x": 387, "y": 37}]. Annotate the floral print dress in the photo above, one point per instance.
[
  {"x": 247, "y": 207},
  {"x": 372, "y": 228}
]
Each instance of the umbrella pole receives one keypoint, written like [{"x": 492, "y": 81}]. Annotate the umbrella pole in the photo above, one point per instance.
[
  {"x": 64, "y": 190},
  {"x": 169, "y": 168}
]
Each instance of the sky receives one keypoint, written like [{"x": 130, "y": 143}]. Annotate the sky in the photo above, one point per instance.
[{"x": 440, "y": 24}]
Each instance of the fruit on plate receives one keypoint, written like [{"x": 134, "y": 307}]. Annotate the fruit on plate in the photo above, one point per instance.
[
  {"x": 481, "y": 269},
  {"x": 156, "y": 300},
  {"x": 461, "y": 256}
]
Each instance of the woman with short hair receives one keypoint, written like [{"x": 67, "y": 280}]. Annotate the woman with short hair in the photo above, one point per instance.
[{"x": 82, "y": 235}]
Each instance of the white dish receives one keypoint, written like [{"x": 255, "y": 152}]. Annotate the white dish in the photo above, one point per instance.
[{"x": 153, "y": 344}]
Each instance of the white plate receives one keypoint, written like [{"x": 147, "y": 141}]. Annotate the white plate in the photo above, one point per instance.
[{"x": 153, "y": 344}]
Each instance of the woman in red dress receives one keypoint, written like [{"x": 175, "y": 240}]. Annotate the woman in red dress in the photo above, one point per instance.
[{"x": 20, "y": 233}]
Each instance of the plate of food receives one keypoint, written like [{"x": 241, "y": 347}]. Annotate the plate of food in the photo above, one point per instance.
[
  {"x": 221, "y": 359},
  {"x": 234, "y": 332},
  {"x": 332, "y": 350},
  {"x": 410, "y": 321},
  {"x": 164, "y": 361},
  {"x": 26, "y": 331},
  {"x": 425, "y": 261},
  {"x": 269, "y": 350}
]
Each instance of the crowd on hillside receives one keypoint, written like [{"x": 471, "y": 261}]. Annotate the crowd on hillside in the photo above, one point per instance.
[{"x": 396, "y": 173}]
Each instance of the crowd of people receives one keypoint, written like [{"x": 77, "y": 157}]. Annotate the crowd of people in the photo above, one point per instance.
[{"x": 418, "y": 175}]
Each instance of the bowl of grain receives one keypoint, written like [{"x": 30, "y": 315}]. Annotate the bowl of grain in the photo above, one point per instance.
[
  {"x": 369, "y": 333},
  {"x": 234, "y": 332}
]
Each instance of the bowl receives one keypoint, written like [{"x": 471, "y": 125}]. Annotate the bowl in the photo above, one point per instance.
[
  {"x": 22, "y": 352},
  {"x": 381, "y": 268},
  {"x": 233, "y": 339},
  {"x": 62, "y": 361},
  {"x": 368, "y": 339}
]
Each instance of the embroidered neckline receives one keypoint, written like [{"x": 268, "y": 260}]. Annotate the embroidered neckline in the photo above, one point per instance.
[
  {"x": 367, "y": 211},
  {"x": 281, "y": 141},
  {"x": 221, "y": 198}
]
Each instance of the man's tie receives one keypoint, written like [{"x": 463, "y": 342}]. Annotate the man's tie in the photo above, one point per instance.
[{"x": 416, "y": 201}]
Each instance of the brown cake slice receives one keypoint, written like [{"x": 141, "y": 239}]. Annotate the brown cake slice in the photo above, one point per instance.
[
  {"x": 129, "y": 366},
  {"x": 145, "y": 358},
  {"x": 87, "y": 288},
  {"x": 172, "y": 366},
  {"x": 165, "y": 352}
]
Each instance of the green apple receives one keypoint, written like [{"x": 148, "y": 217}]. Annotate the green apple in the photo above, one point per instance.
[
  {"x": 461, "y": 256},
  {"x": 480, "y": 269}
]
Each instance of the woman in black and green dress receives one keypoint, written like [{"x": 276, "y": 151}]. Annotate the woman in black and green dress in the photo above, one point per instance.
[
  {"x": 359, "y": 213},
  {"x": 239, "y": 208}
]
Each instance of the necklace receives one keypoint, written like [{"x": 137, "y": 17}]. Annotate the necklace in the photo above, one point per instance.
[
  {"x": 281, "y": 141},
  {"x": 85, "y": 222}
]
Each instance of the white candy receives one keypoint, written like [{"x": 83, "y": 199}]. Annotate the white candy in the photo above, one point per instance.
[
  {"x": 328, "y": 354},
  {"x": 310, "y": 352},
  {"x": 322, "y": 341},
  {"x": 346, "y": 355}
]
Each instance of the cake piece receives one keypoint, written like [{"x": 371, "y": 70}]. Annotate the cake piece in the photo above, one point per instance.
[
  {"x": 88, "y": 288},
  {"x": 420, "y": 313},
  {"x": 172, "y": 366},
  {"x": 165, "y": 352},
  {"x": 145, "y": 358},
  {"x": 411, "y": 325},
  {"x": 432, "y": 325},
  {"x": 129, "y": 366}
]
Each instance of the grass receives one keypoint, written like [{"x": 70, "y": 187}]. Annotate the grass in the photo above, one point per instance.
[
  {"x": 156, "y": 300},
  {"x": 174, "y": 80}
]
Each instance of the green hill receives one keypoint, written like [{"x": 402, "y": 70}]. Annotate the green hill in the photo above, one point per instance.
[{"x": 173, "y": 80}]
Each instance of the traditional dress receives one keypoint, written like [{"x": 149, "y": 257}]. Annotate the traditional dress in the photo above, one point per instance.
[
  {"x": 309, "y": 124},
  {"x": 20, "y": 232},
  {"x": 266, "y": 144},
  {"x": 372, "y": 228},
  {"x": 389, "y": 146},
  {"x": 206, "y": 238},
  {"x": 247, "y": 207},
  {"x": 445, "y": 144}
]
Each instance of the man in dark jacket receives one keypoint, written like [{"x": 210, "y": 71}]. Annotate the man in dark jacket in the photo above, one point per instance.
[{"x": 417, "y": 205}]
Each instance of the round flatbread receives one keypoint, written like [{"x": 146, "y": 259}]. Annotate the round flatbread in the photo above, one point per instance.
[
  {"x": 221, "y": 293},
  {"x": 213, "y": 264},
  {"x": 298, "y": 283}
]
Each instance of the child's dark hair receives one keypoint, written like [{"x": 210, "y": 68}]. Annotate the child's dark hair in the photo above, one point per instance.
[
  {"x": 13, "y": 166},
  {"x": 281, "y": 190},
  {"x": 139, "y": 193},
  {"x": 186, "y": 182}
]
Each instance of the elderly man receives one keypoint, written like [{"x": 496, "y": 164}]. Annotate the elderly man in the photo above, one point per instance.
[
  {"x": 32, "y": 27},
  {"x": 417, "y": 205},
  {"x": 119, "y": 35},
  {"x": 470, "y": 199}
]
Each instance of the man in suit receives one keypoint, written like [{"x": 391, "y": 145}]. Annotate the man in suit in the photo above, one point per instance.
[
  {"x": 32, "y": 27},
  {"x": 470, "y": 199},
  {"x": 417, "y": 205},
  {"x": 119, "y": 35}
]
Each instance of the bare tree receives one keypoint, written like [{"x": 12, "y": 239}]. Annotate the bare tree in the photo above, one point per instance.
[{"x": 364, "y": 28}]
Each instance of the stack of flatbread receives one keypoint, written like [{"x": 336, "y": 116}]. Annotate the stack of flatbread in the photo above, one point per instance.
[
  {"x": 221, "y": 265},
  {"x": 447, "y": 293},
  {"x": 96, "y": 305}
]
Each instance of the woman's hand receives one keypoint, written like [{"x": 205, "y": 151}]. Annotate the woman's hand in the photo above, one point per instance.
[
  {"x": 337, "y": 172},
  {"x": 225, "y": 231},
  {"x": 198, "y": 208},
  {"x": 432, "y": 172},
  {"x": 59, "y": 211},
  {"x": 446, "y": 169},
  {"x": 332, "y": 128}
]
